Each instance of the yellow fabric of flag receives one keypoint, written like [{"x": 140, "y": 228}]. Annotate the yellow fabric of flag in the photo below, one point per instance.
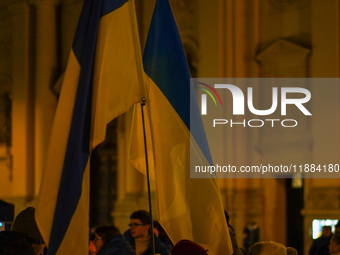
[
  {"x": 103, "y": 79},
  {"x": 187, "y": 208}
]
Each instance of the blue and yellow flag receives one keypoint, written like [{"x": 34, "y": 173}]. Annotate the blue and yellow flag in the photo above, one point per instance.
[
  {"x": 187, "y": 208},
  {"x": 102, "y": 80}
]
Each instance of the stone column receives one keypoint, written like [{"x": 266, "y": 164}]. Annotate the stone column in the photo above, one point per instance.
[
  {"x": 322, "y": 195},
  {"x": 238, "y": 38},
  {"x": 23, "y": 104},
  {"x": 46, "y": 68},
  {"x": 282, "y": 58}
]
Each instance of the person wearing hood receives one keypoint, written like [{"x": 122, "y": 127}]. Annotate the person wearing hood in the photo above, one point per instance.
[{"x": 24, "y": 237}]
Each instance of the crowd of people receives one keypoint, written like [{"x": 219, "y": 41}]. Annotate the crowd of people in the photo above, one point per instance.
[
  {"x": 136, "y": 240},
  {"x": 251, "y": 235},
  {"x": 25, "y": 239},
  {"x": 327, "y": 243}
]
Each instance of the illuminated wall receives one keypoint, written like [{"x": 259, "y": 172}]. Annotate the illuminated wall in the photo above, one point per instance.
[{"x": 269, "y": 38}]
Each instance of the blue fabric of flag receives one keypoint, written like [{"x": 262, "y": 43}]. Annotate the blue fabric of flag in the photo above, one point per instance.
[
  {"x": 170, "y": 72},
  {"x": 77, "y": 154}
]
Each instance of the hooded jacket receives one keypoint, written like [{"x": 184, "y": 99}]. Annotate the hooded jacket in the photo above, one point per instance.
[{"x": 12, "y": 242}]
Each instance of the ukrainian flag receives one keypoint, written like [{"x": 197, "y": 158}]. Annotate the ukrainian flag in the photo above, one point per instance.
[
  {"x": 102, "y": 80},
  {"x": 187, "y": 208}
]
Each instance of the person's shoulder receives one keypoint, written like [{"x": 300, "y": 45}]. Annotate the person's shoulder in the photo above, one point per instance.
[
  {"x": 128, "y": 236},
  {"x": 119, "y": 239},
  {"x": 12, "y": 242},
  {"x": 117, "y": 246},
  {"x": 13, "y": 237},
  {"x": 160, "y": 247}
]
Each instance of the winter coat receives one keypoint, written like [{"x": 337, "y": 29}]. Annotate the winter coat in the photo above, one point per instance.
[
  {"x": 159, "y": 246},
  {"x": 12, "y": 242},
  {"x": 117, "y": 246}
]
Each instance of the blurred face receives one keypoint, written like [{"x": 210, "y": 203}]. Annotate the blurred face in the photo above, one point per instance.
[
  {"x": 138, "y": 230},
  {"x": 326, "y": 231},
  {"x": 98, "y": 242},
  {"x": 334, "y": 247}
]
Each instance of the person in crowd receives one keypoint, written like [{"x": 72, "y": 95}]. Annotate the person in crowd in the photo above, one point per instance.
[
  {"x": 162, "y": 235},
  {"x": 92, "y": 247},
  {"x": 337, "y": 228},
  {"x": 246, "y": 237},
  {"x": 236, "y": 250},
  {"x": 24, "y": 237},
  {"x": 139, "y": 235},
  {"x": 254, "y": 233},
  {"x": 109, "y": 241},
  {"x": 334, "y": 245},
  {"x": 320, "y": 245},
  {"x": 103, "y": 235},
  {"x": 271, "y": 248},
  {"x": 187, "y": 247}
]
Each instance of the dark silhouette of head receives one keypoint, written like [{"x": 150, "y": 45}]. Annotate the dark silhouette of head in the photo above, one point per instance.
[
  {"x": 107, "y": 233},
  {"x": 141, "y": 215}
]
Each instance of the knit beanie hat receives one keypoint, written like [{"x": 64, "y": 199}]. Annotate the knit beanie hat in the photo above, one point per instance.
[
  {"x": 187, "y": 247},
  {"x": 25, "y": 223},
  {"x": 268, "y": 248}
]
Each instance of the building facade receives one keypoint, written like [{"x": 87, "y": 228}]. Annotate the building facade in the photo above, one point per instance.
[{"x": 222, "y": 38}]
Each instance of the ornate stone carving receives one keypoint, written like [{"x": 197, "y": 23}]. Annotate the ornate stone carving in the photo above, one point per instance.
[
  {"x": 191, "y": 51},
  {"x": 283, "y": 58},
  {"x": 316, "y": 199},
  {"x": 184, "y": 12},
  {"x": 186, "y": 18}
]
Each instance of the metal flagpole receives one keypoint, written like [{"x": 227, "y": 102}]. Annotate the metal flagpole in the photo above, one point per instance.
[
  {"x": 148, "y": 178},
  {"x": 143, "y": 90}
]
